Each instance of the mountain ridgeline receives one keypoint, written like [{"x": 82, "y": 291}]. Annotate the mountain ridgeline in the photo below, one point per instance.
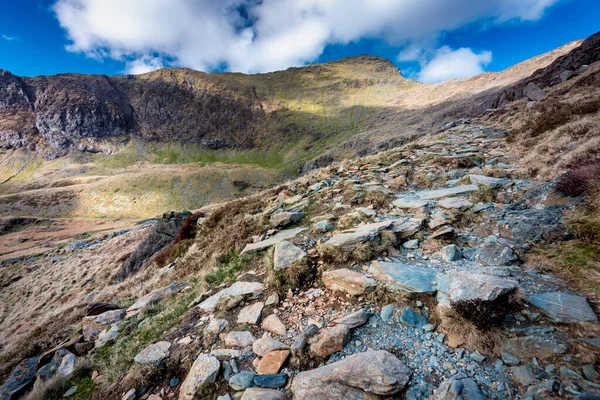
[{"x": 54, "y": 114}]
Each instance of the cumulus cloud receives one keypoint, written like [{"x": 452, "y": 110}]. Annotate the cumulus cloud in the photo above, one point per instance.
[
  {"x": 453, "y": 64},
  {"x": 259, "y": 36},
  {"x": 143, "y": 64}
]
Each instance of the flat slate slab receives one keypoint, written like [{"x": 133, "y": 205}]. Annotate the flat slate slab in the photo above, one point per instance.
[
  {"x": 563, "y": 307},
  {"x": 400, "y": 277},
  {"x": 472, "y": 286},
  {"x": 277, "y": 238},
  {"x": 447, "y": 192},
  {"x": 409, "y": 203},
  {"x": 361, "y": 234},
  {"x": 232, "y": 296}
]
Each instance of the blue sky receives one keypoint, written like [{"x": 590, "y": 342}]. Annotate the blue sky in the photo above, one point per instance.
[{"x": 439, "y": 40}]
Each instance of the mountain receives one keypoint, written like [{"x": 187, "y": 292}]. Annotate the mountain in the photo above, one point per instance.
[{"x": 451, "y": 249}]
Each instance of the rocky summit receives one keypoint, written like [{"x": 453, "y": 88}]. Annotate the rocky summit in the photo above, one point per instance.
[{"x": 459, "y": 264}]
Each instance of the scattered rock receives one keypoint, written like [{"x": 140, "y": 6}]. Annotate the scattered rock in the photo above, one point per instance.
[
  {"x": 458, "y": 285},
  {"x": 455, "y": 203},
  {"x": 533, "y": 92},
  {"x": 242, "y": 381},
  {"x": 364, "y": 375},
  {"x": 488, "y": 181},
  {"x": 204, "y": 371},
  {"x": 348, "y": 281},
  {"x": 274, "y": 325},
  {"x": 238, "y": 339},
  {"x": 329, "y": 341},
  {"x": 354, "y": 320},
  {"x": 266, "y": 344},
  {"x": 228, "y": 298},
  {"x": 272, "y": 362},
  {"x": 273, "y": 381},
  {"x": 350, "y": 239},
  {"x": 286, "y": 254},
  {"x": 272, "y": 241},
  {"x": 250, "y": 314},
  {"x": 411, "y": 318},
  {"x": 323, "y": 226},
  {"x": 285, "y": 218},
  {"x": 153, "y": 354},
  {"x": 94, "y": 325},
  {"x": 523, "y": 375},
  {"x": 399, "y": 277},
  {"x": 457, "y": 388},
  {"x": 143, "y": 303},
  {"x": 262, "y": 394},
  {"x": 451, "y": 253},
  {"x": 564, "y": 308}
]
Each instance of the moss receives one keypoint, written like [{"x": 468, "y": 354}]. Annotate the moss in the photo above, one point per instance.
[
  {"x": 483, "y": 193},
  {"x": 228, "y": 266}
]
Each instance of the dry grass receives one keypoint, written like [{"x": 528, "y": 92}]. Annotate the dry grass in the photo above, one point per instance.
[{"x": 453, "y": 323}]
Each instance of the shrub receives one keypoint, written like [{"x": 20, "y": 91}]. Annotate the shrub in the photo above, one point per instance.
[{"x": 579, "y": 180}]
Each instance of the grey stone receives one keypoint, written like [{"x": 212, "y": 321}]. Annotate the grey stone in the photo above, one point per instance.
[
  {"x": 287, "y": 254},
  {"x": 446, "y": 192},
  {"x": 523, "y": 375},
  {"x": 411, "y": 318},
  {"x": 204, "y": 371},
  {"x": 72, "y": 390},
  {"x": 345, "y": 280},
  {"x": 250, "y": 314},
  {"x": 323, "y": 226},
  {"x": 533, "y": 92},
  {"x": 411, "y": 244},
  {"x": 455, "y": 203},
  {"x": 569, "y": 373},
  {"x": 363, "y": 375},
  {"x": 458, "y": 389},
  {"x": 143, "y": 303},
  {"x": 285, "y": 218},
  {"x": 399, "y": 277},
  {"x": 242, "y": 381},
  {"x": 386, "y": 312},
  {"x": 266, "y": 344},
  {"x": 92, "y": 326},
  {"x": 262, "y": 394},
  {"x": 509, "y": 359},
  {"x": 458, "y": 285},
  {"x": 409, "y": 203},
  {"x": 272, "y": 381},
  {"x": 361, "y": 234},
  {"x": 230, "y": 297},
  {"x": 238, "y": 339},
  {"x": 494, "y": 252},
  {"x": 153, "y": 354},
  {"x": 272, "y": 241},
  {"x": 451, "y": 253},
  {"x": 563, "y": 307},
  {"x": 355, "y": 319},
  {"x": 488, "y": 181},
  {"x": 419, "y": 392},
  {"x": 532, "y": 346},
  {"x": 589, "y": 371}
]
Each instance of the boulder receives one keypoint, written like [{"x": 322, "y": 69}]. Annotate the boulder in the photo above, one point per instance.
[
  {"x": 94, "y": 325},
  {"x": 533, "y": 92},
  {"x": 204, "y": 371},
  {"x": 409, "y": 203},
  {"x": 228, "y": 298},
  {"x": 250, "y": 314},
  {"x": 455, "y": 203},
  {"x": 238, "y": 339},
  {"x": 361, "y": 234},
  {"x": 494, "y": 252},
  {"x": 366, "y": 375},
  {"x": 329, "y": 341},
  {"x": 285, "y": 218},
  {"x": 446, "y": 192},
  {"x": 354, "y": 320},
  {"x": 323, "y": 226},
  {"x": 20, "y": 378},
  {"x": 272, "y": 362},
  {"x": 242, "y": 381},
  {"x": 274, "y": 325},
  {"x": 489, "y": 181},
  {"x": 153, "y": 354},
  {"x": 411, "y": 318},
  {"x": 456, "y": 388},
  {"x": 287, "y": 254},
  {"x": 451, "y": 253},
  {"x": 67, "y": 365},
  {"x": 262, "y": 394},
  {"x": 456, "y": 286},
  {"x": 399, "y": 277},
  {"x": 348, "y": 281},
  {"x": 563, "y": 307},
  {"x": 143, "y": 303},
  {"x": 405, "y": 228},
  {"x": 272, "y": 381},
  {"x": 266, "y": 344},
  {"x": 272, "y": 241}
]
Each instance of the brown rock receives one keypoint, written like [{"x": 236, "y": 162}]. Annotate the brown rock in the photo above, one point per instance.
[
  {"x": 348, "y": 281},
  {"x": 329, "y": 341},
  {"x": 274, "y": 325},
  {"x": 272, "y": 362},
  {"x": 360, "y": 376}
]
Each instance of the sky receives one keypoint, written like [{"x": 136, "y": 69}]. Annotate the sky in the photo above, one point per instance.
[{"x": 429, "y": 40}]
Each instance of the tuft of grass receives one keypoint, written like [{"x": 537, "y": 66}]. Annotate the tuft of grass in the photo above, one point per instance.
[
  {"x": 474, "y": 336},
  {"x": 228, "y": 266},
  {"x": 483, "y": 193},
  {"x": 579, "y": 180}
]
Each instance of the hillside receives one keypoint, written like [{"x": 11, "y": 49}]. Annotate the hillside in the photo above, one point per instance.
[{"x": 452, "y": 254}]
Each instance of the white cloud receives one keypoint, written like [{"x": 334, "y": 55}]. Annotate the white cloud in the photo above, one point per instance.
[
  {"x": 453, "y": 64},
  {"x": 143, "y": 65},
  {"x": 259, "y": 36},
  {"x": 10, "y": 38}
]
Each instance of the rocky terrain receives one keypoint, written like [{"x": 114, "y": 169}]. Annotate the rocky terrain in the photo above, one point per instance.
[{"x": 426, "y": 271}]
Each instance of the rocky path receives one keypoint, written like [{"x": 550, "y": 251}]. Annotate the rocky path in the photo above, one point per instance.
[{"x": 407, "y": 283}]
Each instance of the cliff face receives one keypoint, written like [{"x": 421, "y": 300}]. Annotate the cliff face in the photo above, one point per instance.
[{"x": 51, "y": 114}]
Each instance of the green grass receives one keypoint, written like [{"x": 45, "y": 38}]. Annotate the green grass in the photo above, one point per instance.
[{"x": 229, "y": 265}]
